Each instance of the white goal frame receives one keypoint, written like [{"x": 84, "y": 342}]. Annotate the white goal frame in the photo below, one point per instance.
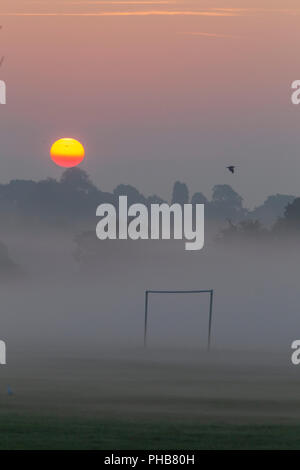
[{"x": 207, "y": 291}]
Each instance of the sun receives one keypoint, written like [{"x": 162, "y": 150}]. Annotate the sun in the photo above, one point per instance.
[{"x": 67, "y": 152}]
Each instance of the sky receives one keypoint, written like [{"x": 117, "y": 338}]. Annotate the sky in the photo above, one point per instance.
[{"x": 157, "y": 91}]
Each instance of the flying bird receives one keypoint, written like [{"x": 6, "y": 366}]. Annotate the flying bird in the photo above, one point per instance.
[{"x": 231, "y": 168}]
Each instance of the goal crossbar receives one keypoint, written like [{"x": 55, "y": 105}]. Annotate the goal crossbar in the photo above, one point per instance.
[{"x": 207, "y": 291}]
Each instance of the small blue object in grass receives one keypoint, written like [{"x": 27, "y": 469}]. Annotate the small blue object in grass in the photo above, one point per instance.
[{"x": 9, "y": 392}]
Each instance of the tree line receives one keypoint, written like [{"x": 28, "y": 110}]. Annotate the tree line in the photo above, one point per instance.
[{"x": 74, "y": 197}]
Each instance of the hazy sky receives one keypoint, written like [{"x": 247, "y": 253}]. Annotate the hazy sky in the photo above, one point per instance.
[{"x": 156, "y": 91}]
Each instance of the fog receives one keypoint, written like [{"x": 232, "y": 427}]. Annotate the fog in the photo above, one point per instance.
[{"x": 61, "y": 304}]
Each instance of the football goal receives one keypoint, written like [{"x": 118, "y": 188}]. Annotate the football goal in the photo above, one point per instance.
[{"x": 209, "y": 291}]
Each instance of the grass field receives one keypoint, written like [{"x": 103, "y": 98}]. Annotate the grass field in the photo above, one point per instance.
[
  {"x": 151, "y": 401},
  {"x": 20, "y": 432}
]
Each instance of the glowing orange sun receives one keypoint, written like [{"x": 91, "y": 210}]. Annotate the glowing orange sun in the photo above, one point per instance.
[{"x": 67, "y": 152}]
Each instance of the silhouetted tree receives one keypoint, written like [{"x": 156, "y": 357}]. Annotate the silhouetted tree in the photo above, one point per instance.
[
  {"x": 290, "y": 222},
  {"x": 224, "y": 194},
  {"x": 199, "y": 198},
  {"x": 226, "y": 203},
  {"x": 272, "y": 208},
  {"x": 78, "y": 180},
  {"x": 180, "y": 193},
  {"x": 133, "y": 195}
]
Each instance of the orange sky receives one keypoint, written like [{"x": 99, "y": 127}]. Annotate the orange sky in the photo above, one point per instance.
[{"x": 157, "y": 91}]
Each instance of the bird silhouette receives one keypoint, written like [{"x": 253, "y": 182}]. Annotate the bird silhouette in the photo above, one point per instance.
[{"x": 231, "y": 168}]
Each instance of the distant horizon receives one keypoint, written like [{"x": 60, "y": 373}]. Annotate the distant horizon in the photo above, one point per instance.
[{"x": 153, "y": 193}]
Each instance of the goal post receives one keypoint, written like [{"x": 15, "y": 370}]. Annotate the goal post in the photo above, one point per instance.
[{"x": 207, "y": 291}]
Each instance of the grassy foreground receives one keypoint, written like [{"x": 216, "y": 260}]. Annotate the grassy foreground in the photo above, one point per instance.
[
  {"x": 40, "y": 433},
  {"x": 150, "y": 401}
]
